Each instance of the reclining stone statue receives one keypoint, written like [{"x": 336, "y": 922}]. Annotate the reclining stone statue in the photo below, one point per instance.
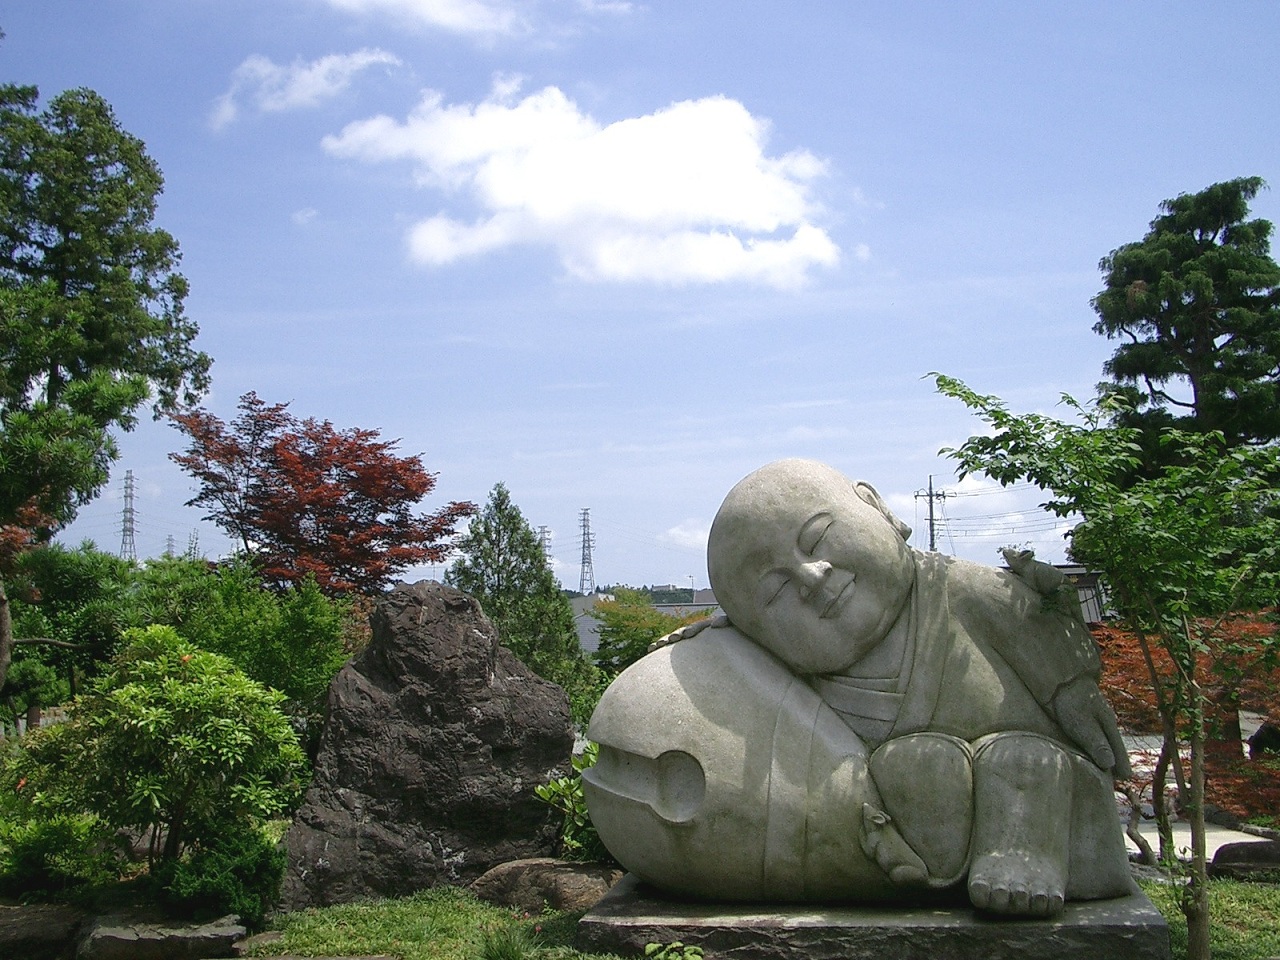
[{"x": 867, "y": 723}]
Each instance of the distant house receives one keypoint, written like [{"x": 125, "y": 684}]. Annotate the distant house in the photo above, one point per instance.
[
  {"x": 1090, "y": 590},
  {"x": 589, "y": 627}
]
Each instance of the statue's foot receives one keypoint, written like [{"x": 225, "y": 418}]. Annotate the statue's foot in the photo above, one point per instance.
[
  {"x": 1022, "y": 826},
  {"x": 1016, "y": 885}
]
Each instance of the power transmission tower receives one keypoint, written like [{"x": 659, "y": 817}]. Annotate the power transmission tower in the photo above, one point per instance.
[
  {"x": 933, "y": 525},
  {"x": 168, "y": 545},
  {"x": 587, "y": 581},
  {"x": 544, "y": 537},
  {"x": 128, "y": 548}
]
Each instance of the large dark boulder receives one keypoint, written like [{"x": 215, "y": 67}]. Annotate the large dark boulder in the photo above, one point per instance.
[
  {"x": 435, "y": 739},
  {"x": 1247, "y": 860}
]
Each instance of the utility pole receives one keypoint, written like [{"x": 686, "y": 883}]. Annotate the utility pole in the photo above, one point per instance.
[
  {"x": 128, "y": 548},
  {"x": 587, "y": 579},
  {"x": 933, "y": 524}
]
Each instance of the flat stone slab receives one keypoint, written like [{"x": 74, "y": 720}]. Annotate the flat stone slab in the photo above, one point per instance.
[
  {"x": 632, "y": 915},
  {"x": 131, "y": 938}
]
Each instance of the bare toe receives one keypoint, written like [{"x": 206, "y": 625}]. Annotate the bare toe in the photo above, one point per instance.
[
  {"x": 980, "y": 894},
  {"x": 1019, "y": 900}
]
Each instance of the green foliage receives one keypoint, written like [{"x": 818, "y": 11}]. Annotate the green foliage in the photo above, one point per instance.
[
  {"x": 578, "y": 837},
  {"x": 171, "y": 742},
  {"x": 502, "y": 564},
  {"x": 672, "y": 951},
  {"x": 55, "y": 854},
  {"x": 291, "y": 640},
  {"x": 509, "y": 941},
  {"x": 1179, "y": 547},
  {"x": 1196, "y": 304},
  {"x": 629, "y": 623},
  {"x": 91, "y": 311},
  {"x": 238, "y": 872},
  {"x": 81, "y": 599},
  {"x": 1246, "y": 917}
]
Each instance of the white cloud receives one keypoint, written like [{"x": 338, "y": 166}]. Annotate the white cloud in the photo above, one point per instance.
[
  {"x": 273, "y": 88},
  {"x": 606, "y": 6},
  {"x": 691, "y": 534},
  {"x": 305, "y": 215},
  {"x": 474, "y": 17},
  {"x": 684, "y": 194}
]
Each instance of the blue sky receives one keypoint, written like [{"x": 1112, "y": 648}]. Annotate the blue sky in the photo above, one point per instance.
[{"x": 618, "y": 254}]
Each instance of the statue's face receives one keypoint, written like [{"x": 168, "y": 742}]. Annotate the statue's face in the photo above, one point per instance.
[{"x": 807, "y": 567}]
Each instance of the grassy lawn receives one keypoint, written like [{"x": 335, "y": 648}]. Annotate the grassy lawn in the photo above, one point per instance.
[
  {"x": 450, "y": 924},
  {"x": 1245, "y": 921},
  {"x": 445, "y": 923}
]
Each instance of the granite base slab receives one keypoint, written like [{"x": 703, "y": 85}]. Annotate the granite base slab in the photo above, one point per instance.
[{"x": 632, "y": 915}]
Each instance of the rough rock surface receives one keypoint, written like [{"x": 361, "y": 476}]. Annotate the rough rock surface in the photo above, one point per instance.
[
  {"x": 1247, "y": 860},
  {"x": 39, "y": 931},
  {"x": 128, "y": 938},
  {"x": 434, "y": 742},
  {"x": 535, "y": 884}
]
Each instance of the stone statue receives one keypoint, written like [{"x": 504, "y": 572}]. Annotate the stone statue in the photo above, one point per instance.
[{"x": 868, "y": 723}]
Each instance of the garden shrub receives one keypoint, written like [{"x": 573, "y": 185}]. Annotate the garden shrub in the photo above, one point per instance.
[
  {"x": 578, "y": 837},
  {"x": 55, "y": 854},
  {"x": 172, "y": 743},
  {"x": 238, "y": 872}
]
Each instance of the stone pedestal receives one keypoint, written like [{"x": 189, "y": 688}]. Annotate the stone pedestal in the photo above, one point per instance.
[{"x": 632, "y": 915}]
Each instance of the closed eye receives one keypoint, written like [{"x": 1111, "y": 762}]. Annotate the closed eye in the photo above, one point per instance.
[
  {"x": 771, "y": 586},
  {"x": 814, "y": 529}
]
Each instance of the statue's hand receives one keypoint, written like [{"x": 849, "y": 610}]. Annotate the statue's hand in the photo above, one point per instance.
[
  {"x": 1087, "y": 719},
  {"x": 881, "y": 842},
  {"x": 689, "y": 630}
]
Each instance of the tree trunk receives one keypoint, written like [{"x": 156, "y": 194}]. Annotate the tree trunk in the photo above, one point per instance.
[
  {"x": 6, "y": 635},
  {"x": 1223, "y": 736},
  {"x": 1195, "y": 897},
  {"x": 1134, "y": 796},
  {"x": 1160, "y": 806}
]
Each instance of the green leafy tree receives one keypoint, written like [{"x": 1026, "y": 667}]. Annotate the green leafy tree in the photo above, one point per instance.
[
  {"x": 1197, "y": 304},
  {"x": 629, "y": 624},
  {"x": 76, "y": 603},
  {"x": 91, "y": 310},
  {"x": 1179, "y": 549},
  {"x": 502, "y": 564},
  {"x": 291, "y": 640},
  {"x": 172, "y": 742}
]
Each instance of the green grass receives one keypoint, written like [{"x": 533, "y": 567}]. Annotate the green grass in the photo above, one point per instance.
[
  {"x": 1244, "y": 918},
  {"x": 445, "y": 923},
  {"x": 448, "y": 923}
]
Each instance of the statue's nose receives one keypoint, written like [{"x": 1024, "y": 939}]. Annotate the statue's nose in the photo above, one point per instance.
[{"x": 811, "y": 576}]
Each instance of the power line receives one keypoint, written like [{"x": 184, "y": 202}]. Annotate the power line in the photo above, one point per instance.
[{"x": 932, "y": 496}]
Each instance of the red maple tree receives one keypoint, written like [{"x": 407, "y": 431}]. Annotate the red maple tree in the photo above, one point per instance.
[
  {"x": 1246, "y": 676},
  {"x": 304, "y": 498}
]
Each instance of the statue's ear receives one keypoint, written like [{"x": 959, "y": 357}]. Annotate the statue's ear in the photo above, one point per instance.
[{"x": 868, "y": 493}]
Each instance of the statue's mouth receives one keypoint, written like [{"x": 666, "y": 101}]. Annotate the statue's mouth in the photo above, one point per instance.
[{"x": 835, "y": 603}]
